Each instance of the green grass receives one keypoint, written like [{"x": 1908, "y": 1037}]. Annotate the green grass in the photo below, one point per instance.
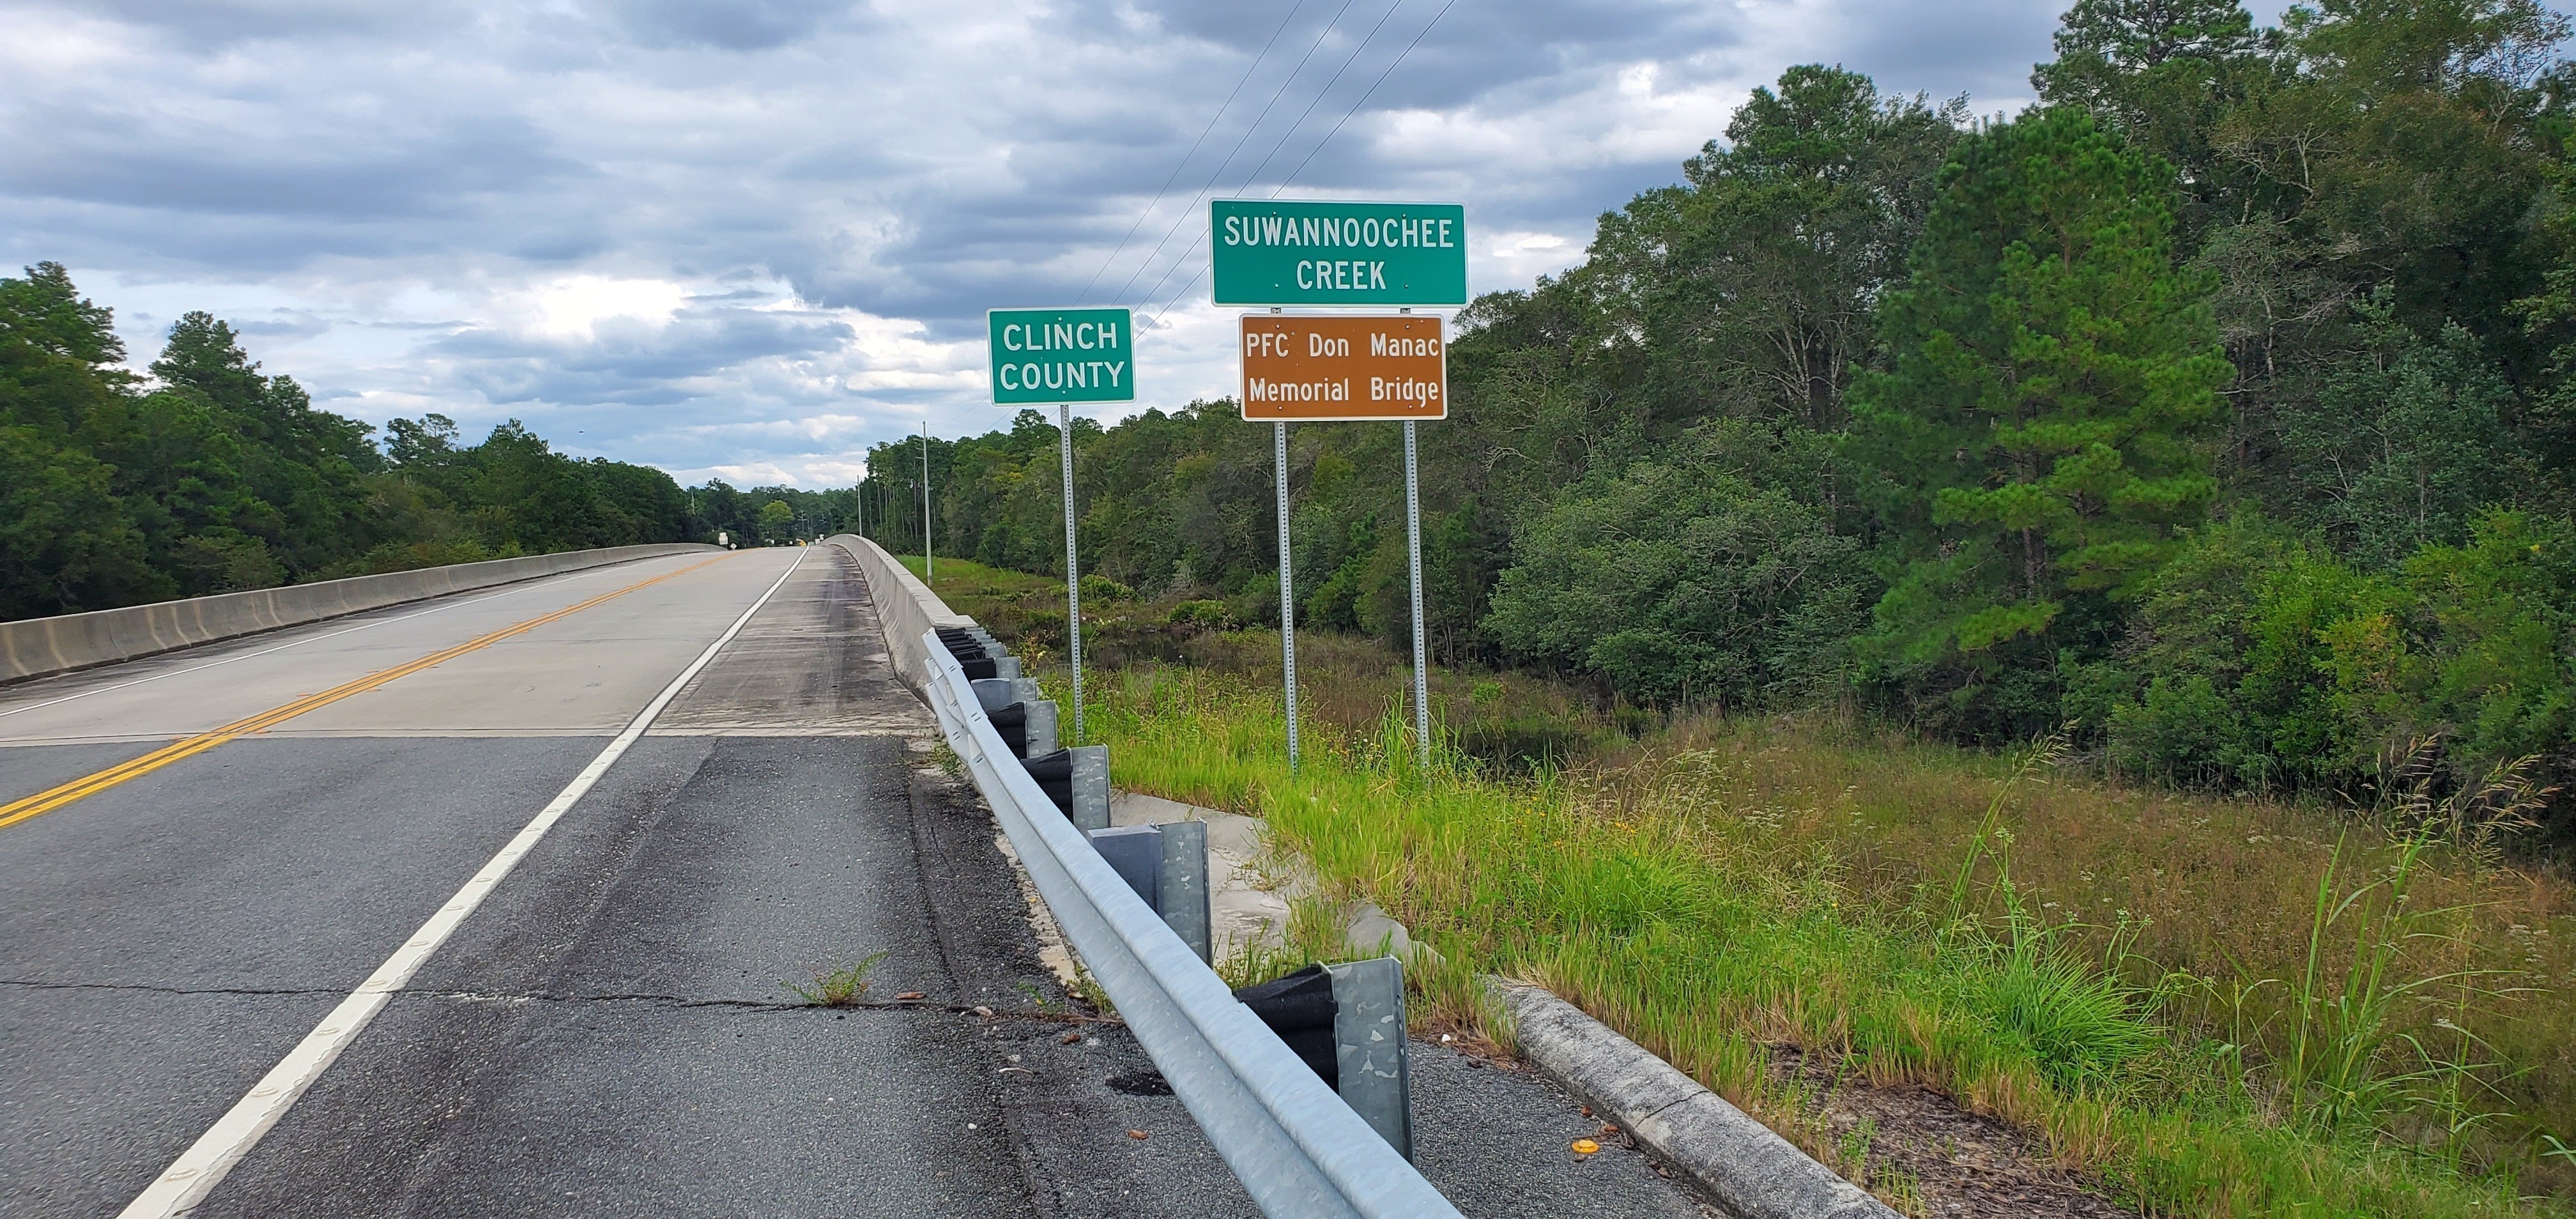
[
  {"x": 839, "y": 987},
  {"x": 2128, "y": 973},
  {"x": 1706, "y": 933}
]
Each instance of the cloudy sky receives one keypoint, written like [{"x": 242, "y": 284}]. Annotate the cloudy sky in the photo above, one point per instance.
[{"x": 745, "y": 240}]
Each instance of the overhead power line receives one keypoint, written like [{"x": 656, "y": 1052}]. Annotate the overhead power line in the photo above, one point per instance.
[
  {"x": 1276, "y": 145},
  {"x": 1284, "y": 82},
  {"x": 1184, "y": 162},
  {"x": 1372, "y": 92},
  {"x": 1319, "y": 145},
  {"x": 1291, "y": 133}
]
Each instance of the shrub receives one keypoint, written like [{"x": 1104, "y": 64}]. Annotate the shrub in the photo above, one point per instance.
[
  {"x": 1207, "y": 614},
  {"x": 1682, "y": 584},
  {"x": 2258, "y": 658}
]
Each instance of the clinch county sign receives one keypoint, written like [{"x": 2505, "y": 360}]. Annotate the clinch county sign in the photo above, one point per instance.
[
  {"x": 1061, "y": 356},
  {"x": 1348, "y": 255}
]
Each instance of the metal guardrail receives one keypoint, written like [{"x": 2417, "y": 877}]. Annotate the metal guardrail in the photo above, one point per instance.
[{"x": 1296, "y": 1146}]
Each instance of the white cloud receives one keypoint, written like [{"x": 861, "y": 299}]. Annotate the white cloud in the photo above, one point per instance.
[
  {"x": 749, "y": 240},
  {"x": 575, "y": 305}
]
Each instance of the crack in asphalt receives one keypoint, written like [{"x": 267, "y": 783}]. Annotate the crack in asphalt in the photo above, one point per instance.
[
  {"x": 667, "y": 1001},
  {"x": 790, "y": 1005},
  {"x": 26, "y": 984}
]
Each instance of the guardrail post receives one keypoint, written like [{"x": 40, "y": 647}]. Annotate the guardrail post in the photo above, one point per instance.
[
  {"x": 1090, "y": 809},
  {"x": 1369, "y": 1046},
  {"x": 1042, "y": 736},
  {"x": 1184, "y": 904},
  {"x": 1167, "y": 866}
]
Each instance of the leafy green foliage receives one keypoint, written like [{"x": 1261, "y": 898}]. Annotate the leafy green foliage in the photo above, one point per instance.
[
  {"x": 2262, "y": 658},
  {"x": 214, "y": 476},
  {"x": 1993, "y": 382},
  {"x": 71, "y": 544},
  {"x": 777, "y": 521},
  {"x": 2249, "y": 661},
  {"x": 2034, "y": 438},
  {"x": 2162, "y": 74},
  {"x": 2403, "y": 442},
  {"x": 1682, "y": 583},
  {"x": 513, "y": 494},
  {"x": 718, "y": 507},
  {"x": 2498, "y": 616},
  {"x": 1746, "y": 289}
]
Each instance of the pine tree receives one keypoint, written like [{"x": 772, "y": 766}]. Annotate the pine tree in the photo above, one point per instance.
[
  {"x": 2163, "y": 75},
  {"x": 2035, "y": 441}
]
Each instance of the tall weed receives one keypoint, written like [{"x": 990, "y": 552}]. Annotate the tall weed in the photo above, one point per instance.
[{"x": 1703, "y": 925}]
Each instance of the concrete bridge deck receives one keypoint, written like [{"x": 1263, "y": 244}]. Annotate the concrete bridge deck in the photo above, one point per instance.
[{"x": 245, "y": 833}]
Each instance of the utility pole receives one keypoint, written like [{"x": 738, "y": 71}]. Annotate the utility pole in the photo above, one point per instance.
[{"x": 929, "y": 565}]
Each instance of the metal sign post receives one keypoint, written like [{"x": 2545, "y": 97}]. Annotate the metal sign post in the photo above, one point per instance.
[
  {"x": 1072, "y": 569},
  {"x": 1287, "y": 592},
  {"x": 1060, "y": 357},
  {"x": 1413, "y": 552},
  {"x": 1346, "y": 367}
]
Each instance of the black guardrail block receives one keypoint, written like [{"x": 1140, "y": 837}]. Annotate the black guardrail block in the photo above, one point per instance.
[
  {"x": 1053, "y": 771},
  {"x": 1299, "y": 1007},
  {"x": 1012, "y": 722}
]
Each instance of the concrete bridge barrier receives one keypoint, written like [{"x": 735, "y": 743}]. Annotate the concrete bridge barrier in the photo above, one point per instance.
[{"x": 41, "y": 647}]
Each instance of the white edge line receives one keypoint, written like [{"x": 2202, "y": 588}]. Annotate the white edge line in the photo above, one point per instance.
[
  {"x": 519, "y": 587},
  {"x": 196, "y": 1172}
]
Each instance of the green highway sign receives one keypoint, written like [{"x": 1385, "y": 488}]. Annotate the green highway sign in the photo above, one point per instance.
[
  {"x": 1280, "y": 252},
  {"x": 1042, "y": 356}
]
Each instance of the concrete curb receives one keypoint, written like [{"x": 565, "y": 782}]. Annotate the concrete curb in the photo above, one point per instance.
[
  {"x": 41, "y": 647},
  {"x": 1749, "y": 1171},
  {"x": 1246, "y": 913}
]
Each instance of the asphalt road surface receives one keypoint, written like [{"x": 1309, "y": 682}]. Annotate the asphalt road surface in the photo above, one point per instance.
[{"x": 616, "y": 1029}]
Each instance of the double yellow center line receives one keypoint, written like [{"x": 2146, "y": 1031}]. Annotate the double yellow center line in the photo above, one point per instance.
[{"x": 47, "y": 801}]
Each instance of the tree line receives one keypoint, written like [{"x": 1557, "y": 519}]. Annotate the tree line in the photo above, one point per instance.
[
  {"x": 2219, "y": 408},
  {"x": 210, "y": 476}
]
